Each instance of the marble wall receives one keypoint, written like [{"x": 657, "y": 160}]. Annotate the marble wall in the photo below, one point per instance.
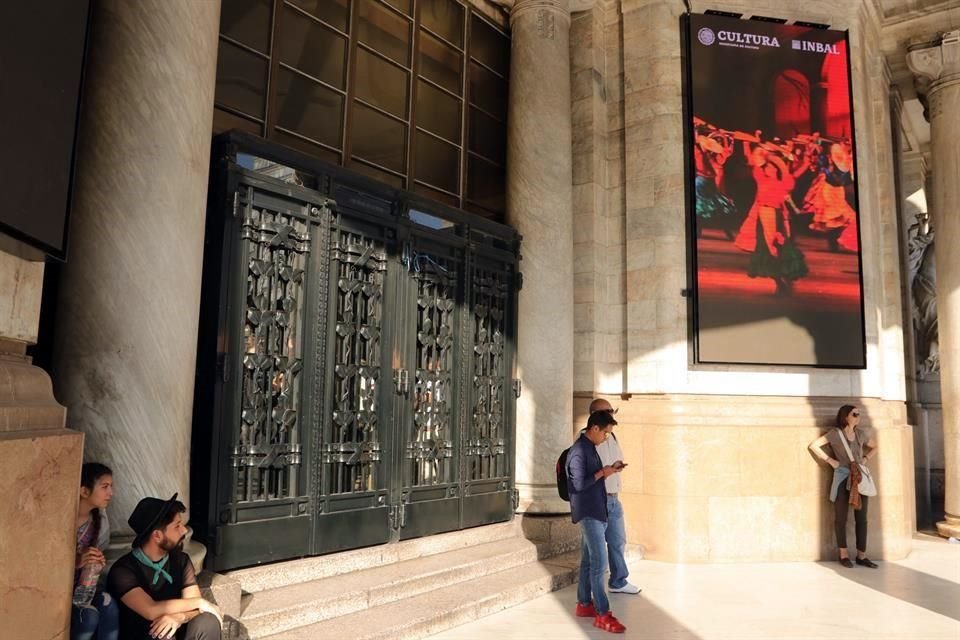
[
  {"x": 21, "y": 286},
  {"x": 630, "y": 242},
  {"x": 599, "y": 252},
  {"x": 41, "y": 471},
  {"x": 725, "y": 479},
  {"x": 37, "y": 535},
  {"x": 720, "y": 471}
]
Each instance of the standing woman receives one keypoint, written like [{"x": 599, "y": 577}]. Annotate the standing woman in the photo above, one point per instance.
[
  {"x": 96, "y": 619},
  {"x": 863, "y": 447}
]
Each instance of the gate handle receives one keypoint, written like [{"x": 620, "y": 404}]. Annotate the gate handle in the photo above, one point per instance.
[{"x": 401, "y": 381}]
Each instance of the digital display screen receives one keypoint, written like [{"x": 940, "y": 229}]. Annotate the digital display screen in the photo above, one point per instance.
[{"x": 772, "y": 193}]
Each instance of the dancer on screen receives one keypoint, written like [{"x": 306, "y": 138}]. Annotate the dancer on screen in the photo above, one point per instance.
[
  {"x": 767, "y": 231},
  {"x": 714, "y": 207},
  {"x": 827, "y": 199}
]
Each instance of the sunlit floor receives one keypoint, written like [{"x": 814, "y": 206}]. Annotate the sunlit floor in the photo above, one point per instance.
[{"x": 917, "y": 598}]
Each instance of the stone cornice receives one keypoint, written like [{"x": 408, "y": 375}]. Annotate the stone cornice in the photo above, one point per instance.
[
  {"x": 841, "y": 16},
  {"x": 933, "y": 7}
]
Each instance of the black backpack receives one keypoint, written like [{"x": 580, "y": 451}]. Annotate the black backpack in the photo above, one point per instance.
[{"x": 562, "y": 475}]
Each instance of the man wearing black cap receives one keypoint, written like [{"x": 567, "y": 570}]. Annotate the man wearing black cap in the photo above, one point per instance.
[
  {"x": 588, "y": 507},
  {"x": 156, "y": 583},
  {"x": 616, "y": 534}
]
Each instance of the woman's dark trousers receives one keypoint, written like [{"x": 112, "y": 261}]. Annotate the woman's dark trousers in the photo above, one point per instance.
[{"x": 841, "y": 509}]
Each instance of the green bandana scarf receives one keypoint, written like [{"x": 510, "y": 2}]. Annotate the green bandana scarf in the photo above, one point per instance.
[{"x": 156, "y": 566}]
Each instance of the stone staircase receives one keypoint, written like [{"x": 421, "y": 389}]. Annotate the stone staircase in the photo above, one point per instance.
[{"x": 411, "y": 589}]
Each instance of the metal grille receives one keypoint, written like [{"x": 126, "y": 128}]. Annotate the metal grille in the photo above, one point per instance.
[
  {"x": 355, "y": 361},
  {"x": 430, "y": 453},
  {"x": 351, "y": 453},
  {"x": 267, "y": 458},
  {"x": 485, "y": 448}
]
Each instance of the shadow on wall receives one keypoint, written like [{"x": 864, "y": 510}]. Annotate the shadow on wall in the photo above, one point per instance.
[{"x": 711, "y": 482}]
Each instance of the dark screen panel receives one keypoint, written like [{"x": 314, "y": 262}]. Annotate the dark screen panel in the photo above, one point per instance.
[
  {"x": 42, "y": 60},
  {"x": 773, "y": 195}
]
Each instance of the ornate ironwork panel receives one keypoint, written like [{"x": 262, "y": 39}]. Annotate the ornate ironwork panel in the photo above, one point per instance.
[
  {"x": 267, "y": 454},
  {"x": 429, "y": 452},
  {"x": 351, "y": 451},
  {"x": 486, "y": 434},
  {"x": 355, "y": 361}
]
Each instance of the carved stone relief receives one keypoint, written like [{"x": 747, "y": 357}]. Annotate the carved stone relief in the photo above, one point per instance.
[{"x": 923, "y": 291}]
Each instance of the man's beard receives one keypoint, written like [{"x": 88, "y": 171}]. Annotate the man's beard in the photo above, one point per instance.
[{"x": 169, "y": 545}]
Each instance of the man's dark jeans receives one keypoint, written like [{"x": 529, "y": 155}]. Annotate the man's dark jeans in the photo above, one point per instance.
[{"x": 204, "y": 627}]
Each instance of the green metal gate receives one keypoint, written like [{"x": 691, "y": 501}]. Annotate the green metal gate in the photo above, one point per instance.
[{"x": 355, "y": 365}]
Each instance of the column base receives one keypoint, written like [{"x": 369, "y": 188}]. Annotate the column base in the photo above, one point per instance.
[
  {"x": 541, "y": 500},
  {"x": 196, "y": 550},
  {"x": 38, "y": 530},
  {"x": 949, "y": 527},
  {"x": 555, "y": 534}
]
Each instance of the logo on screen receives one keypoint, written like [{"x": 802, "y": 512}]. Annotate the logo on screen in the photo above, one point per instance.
[
  {"x": 816, "y": 47},
  {"x": 706, "y": 36}
]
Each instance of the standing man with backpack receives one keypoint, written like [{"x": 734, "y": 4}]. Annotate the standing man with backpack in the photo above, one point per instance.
[
  {"x": 611, "y": 454},
  {"x": 588, "y": 506}
]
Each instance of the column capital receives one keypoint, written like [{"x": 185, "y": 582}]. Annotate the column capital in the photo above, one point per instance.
[
  {"x": 516, "y": 8},
  {"x": 935, "y": 63}
]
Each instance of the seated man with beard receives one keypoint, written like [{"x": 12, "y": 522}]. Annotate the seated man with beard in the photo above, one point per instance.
[{"x": 156, "y": 583}]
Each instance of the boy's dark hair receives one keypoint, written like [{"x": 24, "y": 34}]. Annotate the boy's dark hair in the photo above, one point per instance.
[
  {"x": 602, "y": 419},
  {"x": 175, "y": 507},
  {"x": 89, "y": 474}
]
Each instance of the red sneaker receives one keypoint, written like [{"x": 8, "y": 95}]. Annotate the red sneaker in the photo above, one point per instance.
[
  {"x": 586, "y": 610},
  {"x": 608, "y": 623}
]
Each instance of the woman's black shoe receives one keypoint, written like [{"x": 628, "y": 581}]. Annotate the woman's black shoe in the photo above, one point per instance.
[
  {"x": 866, "y": 562},
  {"x": 846, "y": 562}
]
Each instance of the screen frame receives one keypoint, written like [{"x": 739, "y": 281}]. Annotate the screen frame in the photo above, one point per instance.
[{"x": 693, "y": 290}]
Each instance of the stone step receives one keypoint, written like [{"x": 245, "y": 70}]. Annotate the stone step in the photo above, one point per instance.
[
  {"x": 281, "y": 574},
  {"x": 440, "y": 609},
  {"x": 301, "y": 604}
]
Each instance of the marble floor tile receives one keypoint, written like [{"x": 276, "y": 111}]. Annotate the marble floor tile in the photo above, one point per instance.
[{"x": 905, "y": 600}]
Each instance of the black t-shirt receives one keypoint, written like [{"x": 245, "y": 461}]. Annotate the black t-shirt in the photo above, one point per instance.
[{"x": 129, "y": 573}]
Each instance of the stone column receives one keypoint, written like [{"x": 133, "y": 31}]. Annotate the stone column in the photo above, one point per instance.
[
  {"x": 937, "y": 67},
  {"x": 540, "y": 207},
  {"x": 41, "y": 468},
  {"x": 126, "y": 334}
]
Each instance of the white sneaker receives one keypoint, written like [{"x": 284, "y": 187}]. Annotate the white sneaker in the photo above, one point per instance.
[{"x": 632, "y": 589}]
